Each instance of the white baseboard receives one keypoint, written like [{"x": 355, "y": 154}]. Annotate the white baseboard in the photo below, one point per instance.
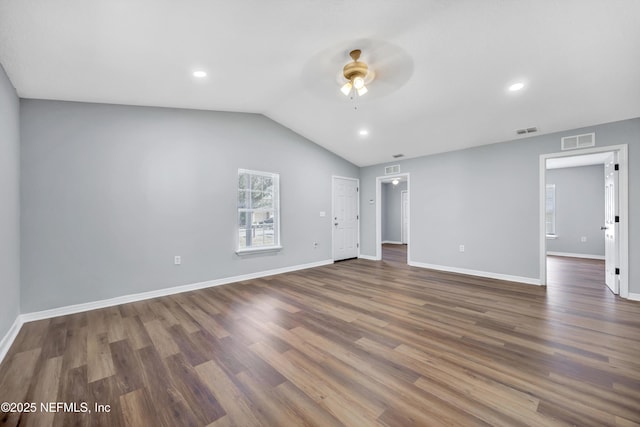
[
  {"x": 369, "y": 257},
  {"x": 633, "y": 297},
  {"x": 391, "y": 242},
  {"x": 488, "y": 274},
  {"x": 78, "y": 308},
  {"x": 572, "y": 255},
  {"x": 9, "y": 338}
]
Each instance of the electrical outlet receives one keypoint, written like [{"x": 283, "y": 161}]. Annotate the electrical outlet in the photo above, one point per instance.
[
  {"x": 583, "y": 239},
  {"x": 323, "y": 214},
  {"x": 461, "y": 248},
  {"x": 177, "y": 260}
]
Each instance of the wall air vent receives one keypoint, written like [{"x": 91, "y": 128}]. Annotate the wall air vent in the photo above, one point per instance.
[
  {"x": 578, "y": 141},
  {"x": 391, "y": 170},
  {"x": 525, "y": 131}
]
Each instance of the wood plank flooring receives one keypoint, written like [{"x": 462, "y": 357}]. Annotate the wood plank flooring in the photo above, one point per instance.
[{"x": 358, "y": 343}]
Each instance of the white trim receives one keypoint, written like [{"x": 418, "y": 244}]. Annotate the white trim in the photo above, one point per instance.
[
  {"x": 572, "y": 255},
  {"x": 77, "y": 308},
  {"x": 633, "y": 296},
  {"x": 379, "y": 180},
  {"x": 623, "y": 209},
  {"x": 488, "y": 274},
  {"x": 357, "y": 180},
  {"x": 408, "y": 218},
  {"x": 369, "y": 257},
  {"x": 402, "y": 193},
  {"x": 277, "y": 236},
  {"x": 10, "y": 336},
  {"x": 392, "y": 242},
  {"x": 378, "y": 207},
  {"x": 542, "y": 218},
  {"x": 255, "y": 249}
]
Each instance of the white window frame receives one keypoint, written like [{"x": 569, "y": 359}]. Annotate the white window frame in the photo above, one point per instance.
[
  {"x": 553, "y": 234},
  {"x": 275, "y": 209}
]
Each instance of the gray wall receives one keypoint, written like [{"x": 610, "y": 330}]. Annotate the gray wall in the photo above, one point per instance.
[
  {"x": 487, "y": 199},
  {"x": 112, "y": 193},
  {"x": 9, "y": 204},
  {"x": 579, "y": 210},
  {"x": 391, "y": 211}
]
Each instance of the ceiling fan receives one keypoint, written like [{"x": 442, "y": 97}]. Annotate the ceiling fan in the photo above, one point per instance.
[
  {"x": 339, "y": 66},
  {"x": 357, "y": 74}
]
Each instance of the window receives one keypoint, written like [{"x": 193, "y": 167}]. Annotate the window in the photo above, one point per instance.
[
  {"x": 550, "y": 210},
  {"x": 258, "y": 211}
]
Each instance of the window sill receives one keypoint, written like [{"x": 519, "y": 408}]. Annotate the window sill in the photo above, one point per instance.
[
  {"x": 552, "y": 236},
  {"x": 248, "y": 251}
]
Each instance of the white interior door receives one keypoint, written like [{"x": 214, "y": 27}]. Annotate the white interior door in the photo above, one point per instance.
[
  {"x": 405, "y": 216},
  {"x": 345, "y": 218},
  {"x": 611, "y": 223}
]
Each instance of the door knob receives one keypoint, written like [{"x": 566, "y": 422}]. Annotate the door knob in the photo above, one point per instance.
[
  {"x": 335, "y": 223},
  {"x": 604, "y": 228}
]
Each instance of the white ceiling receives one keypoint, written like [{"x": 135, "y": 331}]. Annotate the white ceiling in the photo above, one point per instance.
[{"x": 442, "y": 67}]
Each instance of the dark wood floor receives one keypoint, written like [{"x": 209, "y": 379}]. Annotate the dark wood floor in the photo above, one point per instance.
[{"x": 357, "y": 343}]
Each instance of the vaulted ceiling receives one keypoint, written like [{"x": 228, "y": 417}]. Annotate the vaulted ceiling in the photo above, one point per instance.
[{"x": 442, "y": 68}]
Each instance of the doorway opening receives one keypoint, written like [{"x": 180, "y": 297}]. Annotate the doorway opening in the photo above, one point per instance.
[
  {"x": 584, "y": 215},
  {"x": 575, "y": 196},
  {"x": 393, "y": 217}
]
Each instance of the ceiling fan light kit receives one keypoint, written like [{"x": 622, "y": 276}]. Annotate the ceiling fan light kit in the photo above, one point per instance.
[
  {"x": 346, "y": 88},
  {"x": 356, "y": 73}
]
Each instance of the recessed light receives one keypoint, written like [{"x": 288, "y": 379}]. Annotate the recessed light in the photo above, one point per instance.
[
  {"x": 199, "y": 74},
  {"x": 516, "y": 86},
  {"x": 364, "y": 132}
]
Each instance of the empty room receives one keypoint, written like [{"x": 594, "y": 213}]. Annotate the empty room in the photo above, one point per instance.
[{"x": 306, "y": 213}]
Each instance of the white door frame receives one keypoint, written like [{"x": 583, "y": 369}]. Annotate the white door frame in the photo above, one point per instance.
[
  {"x": 379, "y": 181},
  {"x": 402, "y": 212},
  {"x": 333, "y": 228},
  {"x": 623, "y": 195}
]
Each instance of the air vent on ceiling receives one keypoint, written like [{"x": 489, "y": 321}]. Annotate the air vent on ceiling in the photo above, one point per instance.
[
  {"x": 390, "y": 170},
  {"x": 397, "y": 156},
  {"x": 578, "y": 141},
  {"x": 525, "y": 131}
]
